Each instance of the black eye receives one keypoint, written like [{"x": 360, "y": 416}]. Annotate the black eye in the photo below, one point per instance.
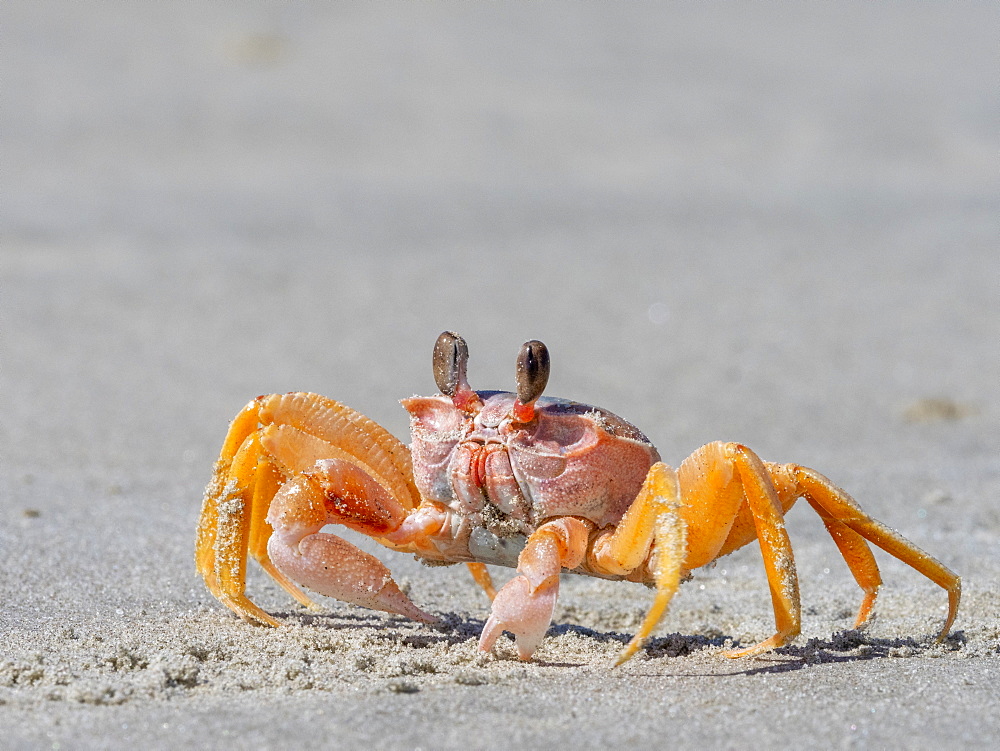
[
  {"x": 532, "y": 371},
  {"x": 451, "y": 357}
]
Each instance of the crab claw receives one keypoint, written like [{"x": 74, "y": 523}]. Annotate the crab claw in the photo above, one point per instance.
[
  {"x": 333, "y": 567},
  {"x": 524, "y": 611}
]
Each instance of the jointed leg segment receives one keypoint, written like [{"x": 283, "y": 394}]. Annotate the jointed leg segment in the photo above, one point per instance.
[
  {"x": 859, "y": 559},
  {"x": 651, "y": 523},
  {"x": 225, "y": 529},
  {"x": 272, "y": 474},
  {"x": 775, "y": 547},
  {"x": 832, "y": 502},
  {"x": 727, "y": 497}
]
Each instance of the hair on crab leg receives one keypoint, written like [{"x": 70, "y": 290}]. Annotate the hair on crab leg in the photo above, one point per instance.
[
  {"x": 232, "y": 533},
  {"x": 669, "y": 550},
  {"x": 775, "y": 548}
]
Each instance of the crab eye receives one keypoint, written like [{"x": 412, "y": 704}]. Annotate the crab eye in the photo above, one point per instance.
[
  {"x": 532, "y": 371},
  {"x": 451, "y": 356}
]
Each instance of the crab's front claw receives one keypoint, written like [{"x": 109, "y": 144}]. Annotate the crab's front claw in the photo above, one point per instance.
[
  {"x": 333, "y": 567},
  {"x": 337, "y": 491},
  {"x": 524, "y": 611}
]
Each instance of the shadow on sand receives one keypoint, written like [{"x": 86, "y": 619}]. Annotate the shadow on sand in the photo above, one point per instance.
[{"x": 844, "y": 646}]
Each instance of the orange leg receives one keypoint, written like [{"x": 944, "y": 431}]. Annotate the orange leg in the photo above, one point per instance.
[
  {"x": 859, "y": 559},
  {"x": 688, "y": 516},
  {"x": 220, "y": 487},
  {"x": 230, "y": 513},
  {"x": 652, "y": 530},
  {"x": 833, "y": 503},
  {"x": 482, "y": 576},
  {"x": 728, "y": 498},
  {"x": 775, "y": 548},
  {"x": 347, "y": 434},
  {"x": 272, "y": 443},
  {"x": 268, "y": 482}
]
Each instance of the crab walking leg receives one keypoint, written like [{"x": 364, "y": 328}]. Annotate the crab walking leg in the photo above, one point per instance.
[
  {"x": 853, "y": 547},
  {"x": 268, "y": 482},
  {"x": 343, "y": 433},
  {"x": 651, "y": 529},
  {"x": 669, "y": 544},
  {"x": 204, "y": 544},
  {"x": 859, "y": 559},
  {"x": 775, "y": 548},
  {"x": 623, "y": 549},
  {"x": 241, "y": 428},
  {"x": 233, "y": 513},
  {"x": 482, "y": 576},
  {"x": 525, "y": 604},
  {"x": 819, "y": 491},
  {"x": 338, "y": 492}
]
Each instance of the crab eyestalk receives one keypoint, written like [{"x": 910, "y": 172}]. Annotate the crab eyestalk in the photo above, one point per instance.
[
  {"x": 531, "y": 377},
  {"x": 450, "y": 360}
]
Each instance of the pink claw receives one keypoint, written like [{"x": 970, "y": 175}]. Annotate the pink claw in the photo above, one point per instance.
[
  {"x": 525, "y": 613},
  {"x": 332, "y": 566}
]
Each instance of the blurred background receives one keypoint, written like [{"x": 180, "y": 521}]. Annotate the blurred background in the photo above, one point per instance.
[{"x": 773, "y": 223}]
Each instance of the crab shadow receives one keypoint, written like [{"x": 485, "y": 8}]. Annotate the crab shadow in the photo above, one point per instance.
[
  {"x": 846, "y": 646},
  {"x": 452, "y": 629},
  {"x": 670, "y": 645}
]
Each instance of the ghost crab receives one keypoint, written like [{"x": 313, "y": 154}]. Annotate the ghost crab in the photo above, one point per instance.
[{"x": 513, "y": 479}]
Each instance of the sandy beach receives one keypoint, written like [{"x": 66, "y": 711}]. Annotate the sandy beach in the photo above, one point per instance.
[{"x": 762, "y": 223}]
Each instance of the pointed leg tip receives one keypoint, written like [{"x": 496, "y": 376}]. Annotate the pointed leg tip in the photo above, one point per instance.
[
  {"x": 735, "y": 654},
  {"x": 430, "y": 620},
  {"x": 261, "y": 619},
  {"x": 623, "y": 657},
  {"x": 248, "y": 611},
  {"x": 411, "y": 611},
  {"x": 775, "y": 642},
  {"x": 629, "y": 652}
]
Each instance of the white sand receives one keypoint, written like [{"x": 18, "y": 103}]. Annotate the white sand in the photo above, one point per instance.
[{"x": 768, "y": 225}]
